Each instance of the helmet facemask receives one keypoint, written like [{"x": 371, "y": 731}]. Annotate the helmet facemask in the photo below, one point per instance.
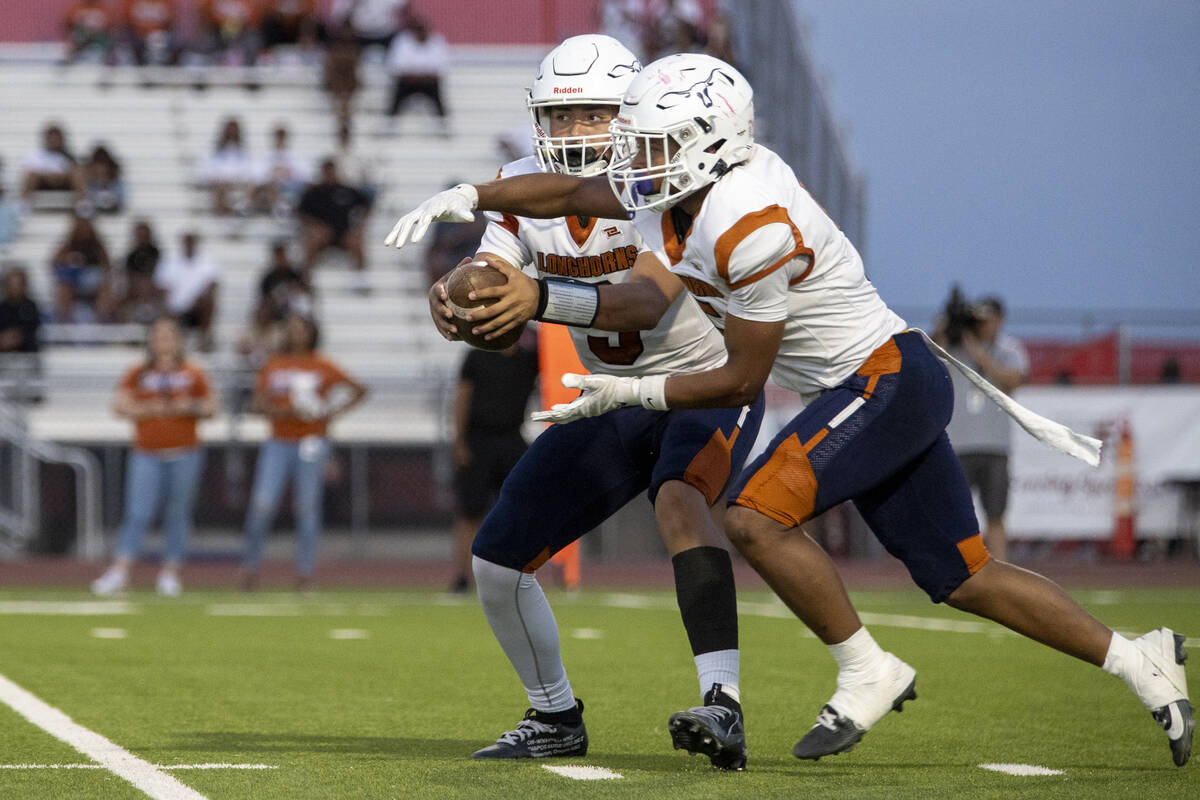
[
  {"x": 670, "y": 160},
  {"x": 578, "y": 155}
]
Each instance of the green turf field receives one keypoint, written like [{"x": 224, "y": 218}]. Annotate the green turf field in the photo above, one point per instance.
[{"x": 385, "y": 695}]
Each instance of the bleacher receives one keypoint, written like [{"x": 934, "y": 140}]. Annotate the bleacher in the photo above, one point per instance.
[{"x": 159, "y": 132}]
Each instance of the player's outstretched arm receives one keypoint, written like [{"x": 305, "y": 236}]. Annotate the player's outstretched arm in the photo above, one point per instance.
[
  {"x": 547, "y": 195},
  {"x": 543, "y": 195}
]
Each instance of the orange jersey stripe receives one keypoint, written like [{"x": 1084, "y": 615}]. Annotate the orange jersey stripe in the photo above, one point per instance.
[{"x": 737, "y": 233}]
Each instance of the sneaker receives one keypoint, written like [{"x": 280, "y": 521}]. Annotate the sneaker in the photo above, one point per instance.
[
  {"x": 715, "y": 729},
  {"x": 461, "y": 585},
  {"x": 168, "y": 584},
  {"x": 541, "y": 735},
  {"x": 856, "y": 706},
  {"x": 112, "y": 581},
  {"x": 1161, "y": 685}
]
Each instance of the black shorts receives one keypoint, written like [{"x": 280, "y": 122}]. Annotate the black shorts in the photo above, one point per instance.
[
  {"x": 477, "y": 485},
  {"x": 989, "y": 473}
]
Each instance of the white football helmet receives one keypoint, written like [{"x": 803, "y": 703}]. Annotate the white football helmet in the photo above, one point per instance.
[
  {"x": 692, "y": 116},
  {"x": 583, "y": 70}
]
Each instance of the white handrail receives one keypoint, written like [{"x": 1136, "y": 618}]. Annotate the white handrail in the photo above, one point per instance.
[{"x": 23, "y": 521}]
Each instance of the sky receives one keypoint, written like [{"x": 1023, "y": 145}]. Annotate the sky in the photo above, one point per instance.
[{"x": 1047, "y": 151}]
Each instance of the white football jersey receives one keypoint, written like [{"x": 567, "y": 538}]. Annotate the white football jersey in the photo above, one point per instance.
[
  {"x": 762, "y": 249},
  {"x": 604, "y": 251}
]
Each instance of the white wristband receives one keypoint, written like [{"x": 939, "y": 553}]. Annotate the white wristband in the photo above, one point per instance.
[
  {"x": 652, "y": 392},
  {"x": 567, "y": 302}
]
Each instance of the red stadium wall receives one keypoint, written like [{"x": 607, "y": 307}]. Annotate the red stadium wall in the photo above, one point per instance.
[{"x": 461, "y": 22}]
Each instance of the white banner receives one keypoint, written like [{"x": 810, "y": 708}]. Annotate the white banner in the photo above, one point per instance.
[{"x": 1057, "y": 497}]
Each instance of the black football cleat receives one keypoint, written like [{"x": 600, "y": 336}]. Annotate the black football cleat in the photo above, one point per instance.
[
  {"x": 537, "y": 737},
  {"x": 1178, "y": 721},
  {"x": 715, "y": 729},
  {"x": 836, "y": 733},
  {"x": 1161, "y": 684}
]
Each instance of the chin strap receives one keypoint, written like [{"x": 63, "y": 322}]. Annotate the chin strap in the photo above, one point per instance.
[{"x": 1047, "y": 431}]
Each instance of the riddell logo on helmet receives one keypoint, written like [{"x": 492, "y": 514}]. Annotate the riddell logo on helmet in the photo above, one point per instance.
[{"x": 568, "y": 90}]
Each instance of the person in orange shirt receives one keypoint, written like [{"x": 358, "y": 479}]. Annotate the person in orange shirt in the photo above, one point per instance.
[
  {"x": 300, "y": 391},
  {"x": 165, "y": 396}
]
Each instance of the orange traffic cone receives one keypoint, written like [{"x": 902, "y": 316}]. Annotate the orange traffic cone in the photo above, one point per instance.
[
  {"x": 568, "y": 560},
  {"x": 1123, "y": 541}
]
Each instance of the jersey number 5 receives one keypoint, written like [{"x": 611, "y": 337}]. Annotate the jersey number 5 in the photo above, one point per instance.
[{"x": 624, "y": 353}]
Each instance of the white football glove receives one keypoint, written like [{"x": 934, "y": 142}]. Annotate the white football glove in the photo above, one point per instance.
[
  {"x": 603, "y": 393},
  {"x": 456, "y": 204}
]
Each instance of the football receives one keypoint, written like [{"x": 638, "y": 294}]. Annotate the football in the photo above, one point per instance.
[{"x": 459, "y": 284}]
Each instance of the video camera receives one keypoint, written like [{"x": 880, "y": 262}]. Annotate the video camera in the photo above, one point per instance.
[{"x": 961, "y": 315}]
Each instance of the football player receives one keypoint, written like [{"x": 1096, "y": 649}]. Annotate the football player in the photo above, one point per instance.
[
  {"x": 729, "y": 217},
  {"x": 575, "y": 476}
]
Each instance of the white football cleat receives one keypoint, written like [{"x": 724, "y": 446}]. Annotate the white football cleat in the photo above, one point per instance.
[
  {"x": 1161, "y": 685},
  {"x": 112, "y": 581},
  {"x": 859, "y": 702},
  {"x": 168, "y": 584}
]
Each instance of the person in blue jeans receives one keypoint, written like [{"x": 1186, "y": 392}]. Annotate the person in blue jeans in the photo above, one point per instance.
[
  {"x": 165, "y": 396},
  {"x": 300, "y": 391}
]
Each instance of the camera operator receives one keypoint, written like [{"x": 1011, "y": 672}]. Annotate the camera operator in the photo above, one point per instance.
[{"x": 979, "y": 430}]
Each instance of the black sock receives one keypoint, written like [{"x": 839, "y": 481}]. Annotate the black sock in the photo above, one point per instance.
[
  {"x": 572, "y": 716},
  {"x": 707, "y": 598}
]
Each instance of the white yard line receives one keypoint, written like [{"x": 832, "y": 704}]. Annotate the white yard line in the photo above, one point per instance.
[
  {"x": 142, "y": 774},
  {"x": 156, "y": 766},
  {"x": 84, "y": 608},
  {"x": 1022, "y": 770},
  {"x": 584, "y": 773}
]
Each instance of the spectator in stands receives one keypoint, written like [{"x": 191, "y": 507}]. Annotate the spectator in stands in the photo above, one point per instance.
[
  {"x": 165, "y": 396},
  {"x": 19, "y": 316},
  {"x": 88, "y": 27},
  {"x": 280, "y": 176},
  {"x": 103, "y": 186},
  {"x": 417, "y": 58},
  {"x": 720, "y": 40},
  {"x": 81, "y": 267},
  {"x": 301, "y": 392},
  {"x": 980, "y": 431},
  {"x": 625, "y": 21},
  {"x": 355, "y": 169},
  {"x": 489, "y": 409},
  {"x": 676, "y": 26},
  {"x": 10, "y": 219},
  {"x": 282, "y": 290},
  {"x": 374, "y": 22},
  {"x": 150, "y": 31},
  {"x": 143, "y": 300},
  {"x": 342, "y": 55},
  {"x": 230, "y": 31},
  {"x": 51, "y": 167},
  {"x": 333, "y": 214},
  {"x": 228, "y": 171},
  {"x": 287, "y": 22},
  {"x": 190, "y": 281}
]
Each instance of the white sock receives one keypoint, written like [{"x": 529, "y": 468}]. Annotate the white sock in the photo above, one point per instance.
[
  {"x": 859, "y": 653},
  {"x": 719, "y": 666},
  {"x": 1123, "y": 658}
]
